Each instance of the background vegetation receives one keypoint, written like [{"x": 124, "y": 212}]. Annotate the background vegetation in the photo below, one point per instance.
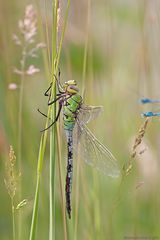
[{"x": 121, "y": 40}]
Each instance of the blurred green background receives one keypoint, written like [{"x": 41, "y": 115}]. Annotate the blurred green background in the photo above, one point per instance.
[{"x": 122, "y": 66}]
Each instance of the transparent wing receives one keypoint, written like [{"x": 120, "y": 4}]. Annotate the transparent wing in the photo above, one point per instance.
[
  {"x": 88, "y": 113},
  {"x": 93, "y": 152}
]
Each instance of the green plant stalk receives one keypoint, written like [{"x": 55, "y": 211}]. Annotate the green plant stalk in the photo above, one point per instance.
[
  {"x": 44, "y": 35},
  {"x": 23, "y": 62},
  {"x": 43, "y": 143},
  {"x": 51, "y": 185},
  {"x": 35, "y": 210},
  {"x": 53, "y": 130},
  {"x": 86, "y": 48},
  {"x": 20, "y": 109},
  {"x": 97, "y": 223},
  {"x": 36, "y": 198},
  {"x": 20, "y": 151},
  {"x": 52, "y": 176},
  {"x": 13, "y": 219},
  {"x": 62, "y": 36},
  {"x": 47, "y": 36},
  {"x": 77, "y": 198},
  {"x": 96, "y": 201},
  {"x": 60, "y": 183},
  {"x": 83, "y": 95},
  {"x": 54, "y": 70}
]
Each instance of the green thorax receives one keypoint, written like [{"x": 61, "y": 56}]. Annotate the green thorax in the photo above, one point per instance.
[{"x": 70, "y": 110}]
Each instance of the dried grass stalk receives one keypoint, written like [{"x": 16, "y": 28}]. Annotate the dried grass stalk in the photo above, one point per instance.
[{"x": 127, "y": 168}]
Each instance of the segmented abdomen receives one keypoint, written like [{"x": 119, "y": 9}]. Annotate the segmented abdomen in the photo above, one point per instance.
[
  {"x": 70, "y": 110},
  {"x": 68, "y": 187}
]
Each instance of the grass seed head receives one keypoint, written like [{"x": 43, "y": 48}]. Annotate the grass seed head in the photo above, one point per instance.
[
  {"x": 11, "y": 179},
  {"x": 138, "y": 139},
  {"x": 26, "y": 40}
]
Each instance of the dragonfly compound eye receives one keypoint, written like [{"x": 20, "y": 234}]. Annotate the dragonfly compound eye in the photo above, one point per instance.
[{"x": 72, "y": 89}]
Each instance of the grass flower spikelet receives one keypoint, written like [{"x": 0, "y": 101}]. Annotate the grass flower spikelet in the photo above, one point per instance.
[{"x": 11, "y": 178}]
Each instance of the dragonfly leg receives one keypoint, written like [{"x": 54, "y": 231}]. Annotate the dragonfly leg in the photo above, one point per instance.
[
  {"x": 59, "y": 95},
  {"x": 59, "y": 110},
  {"x": 60, "y": 88},
  {"x": 42, "y": 113},
  {"x": 54, "y": 100},
  {"x": 46, "y": 92}
]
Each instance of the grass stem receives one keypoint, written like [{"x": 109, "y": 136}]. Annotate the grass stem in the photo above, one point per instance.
[
  {"x": 13, "y": 219},
  {"x": 53, "y": 130},
  {"x": 23, "y": 62},
  {"x": 61, "y": 184},
  {"x": 55, "y": 61}
]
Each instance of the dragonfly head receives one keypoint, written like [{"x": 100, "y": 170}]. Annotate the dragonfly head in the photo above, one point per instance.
[{"x": 71, "y": 87}]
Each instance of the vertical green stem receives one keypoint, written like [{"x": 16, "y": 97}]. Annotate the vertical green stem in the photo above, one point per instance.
[
  {"x": 13, "y": 220},
  {"x": 36, "y": 198},
  {"x": 62, "y": 35},
  {"x": 52, "y": 185},
  {"x": 44, "y": 136},
  {"x": 20, "y": 122},
  {"x": 20, "y": 110},
  {"x": 96, "y": 206},
  {"x": 47, "y": 35},
  {"x": 23, "y": 60},
  {"x": 86, "y": 48},
  {"x": 56, "y": 50},
  {"x": 51, "y": 189},
  {"x": 35, "y": 210},
  {"x": 60, "y": 183},
  {"x": 77, "y": 198},
  {"x": 20, "y": 152},
  {"x": 83, "y": 93},
  {"x": 53, "y": 131}
]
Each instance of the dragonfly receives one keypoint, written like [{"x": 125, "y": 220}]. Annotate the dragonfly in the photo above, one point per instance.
[
  {"x": 150, "y": 101},
  {"x": 76, "y": 115}
]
